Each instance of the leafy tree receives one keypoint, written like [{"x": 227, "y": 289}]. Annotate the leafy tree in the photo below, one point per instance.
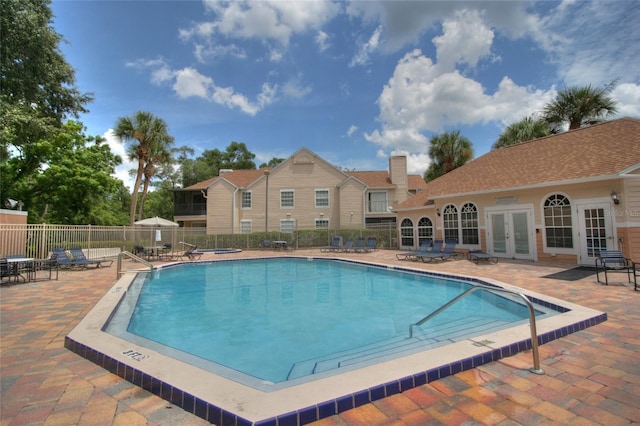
[
  {"x": 238, "y": 157},
  {"x": 272, "y": 163},
  {"x": 77, "y": 187},
  {"x": 447, "y": 151},
  {"x": 580, "y": 106},
  {"x": 37, "y": 91},
  {"x": 148, "y": 134},
  {"x": 526, "y": 129}
]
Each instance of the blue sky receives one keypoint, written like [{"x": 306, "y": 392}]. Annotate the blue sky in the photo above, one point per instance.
[{"x": 352, "y": 81}]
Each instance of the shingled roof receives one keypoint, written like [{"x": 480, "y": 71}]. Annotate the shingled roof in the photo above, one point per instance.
[
  {"x": 606, "y": 149},
  {"x": 373, "y": 179}
]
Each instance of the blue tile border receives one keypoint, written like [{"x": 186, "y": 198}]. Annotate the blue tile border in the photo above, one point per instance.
[
  {"x": 214, "y": 414},
  {"x": 221, "y": 417}
]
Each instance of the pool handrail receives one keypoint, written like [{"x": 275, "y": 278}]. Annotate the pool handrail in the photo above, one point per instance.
[
  {"x": 532, "y": 319},
  {"x": 135, "y": 258}
]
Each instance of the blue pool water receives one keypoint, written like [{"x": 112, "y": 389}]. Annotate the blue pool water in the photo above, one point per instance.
[{"x": 285, "y": 318}]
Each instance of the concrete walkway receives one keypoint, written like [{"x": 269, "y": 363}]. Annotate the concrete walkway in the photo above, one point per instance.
[{"x": 592, "y": 377}]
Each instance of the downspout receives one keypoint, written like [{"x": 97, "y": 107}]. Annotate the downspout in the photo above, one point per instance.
[
  {"x": 364, "y": 207},
  {"x": 233, "y": 211}
]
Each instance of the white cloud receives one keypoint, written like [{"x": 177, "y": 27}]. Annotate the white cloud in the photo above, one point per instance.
[
  {"x": 272, "y": 21},
  {"x": 628, "y": 96},
  {"x": 465, "y": 39},
  {"x": 352, "y": 130},
  {"x": 296, "y": 89},
  {"x": 119, "y": 148},
  {"x": 189, "y": 82},
  {"x": 366, "y": 49},
  {"x": 322, "y": 40}
]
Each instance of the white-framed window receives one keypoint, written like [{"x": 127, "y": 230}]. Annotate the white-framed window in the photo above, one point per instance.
[
  {"x": 287, "y": 199},
  {"x": 322, "y": 223},
  {"x": 406, "y": 233},
  {"x": 378, "y": 202},
  {"x": 450, "y": 222},
  {"x": 425, "y": 230},
  {"x": 246, "y": 200},
  {"x": 469, "y": 224},
  {"x": 245, "y": 226},
  {"x": 322, "y": 198},
  {"x": 287, "y": 226},
  {"x": 557, "y": 221}
]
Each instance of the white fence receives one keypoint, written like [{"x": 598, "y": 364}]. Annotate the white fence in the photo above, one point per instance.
[{"x": 37, "y": 240}]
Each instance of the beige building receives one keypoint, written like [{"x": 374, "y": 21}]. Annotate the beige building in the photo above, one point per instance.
[
  {"x": 303, "y": 192},
  {"x": 563, "y": 197}
]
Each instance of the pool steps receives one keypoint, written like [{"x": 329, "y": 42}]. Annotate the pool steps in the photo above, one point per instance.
[{"x": 454, "y": 331}]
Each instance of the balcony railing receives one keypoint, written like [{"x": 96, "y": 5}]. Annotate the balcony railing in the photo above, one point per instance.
[{"x": 190, "y": 209}]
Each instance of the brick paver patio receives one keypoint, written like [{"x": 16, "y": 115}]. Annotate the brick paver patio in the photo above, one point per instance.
[{"x": 592, "y": 377}]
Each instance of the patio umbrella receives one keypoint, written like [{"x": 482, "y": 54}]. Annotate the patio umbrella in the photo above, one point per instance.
[{"x": 156, "y": 222}]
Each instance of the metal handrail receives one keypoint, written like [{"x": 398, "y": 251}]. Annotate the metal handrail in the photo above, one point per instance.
[
  {"x": 532, "y": 319},
  {"x": 134, "y": 257}
]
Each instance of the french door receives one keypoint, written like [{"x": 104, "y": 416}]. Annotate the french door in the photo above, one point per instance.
[
  {"x": 595, "y": 230},
  {"x": 510, "y": 234}
]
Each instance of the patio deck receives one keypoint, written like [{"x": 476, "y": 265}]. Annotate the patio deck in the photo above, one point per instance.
[{"x": 592, "y": 376}]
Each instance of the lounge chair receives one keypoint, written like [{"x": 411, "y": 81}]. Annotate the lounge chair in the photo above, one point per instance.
[
  {"x": 65, "y": 262},
  {"x": 347, "y": 247},
  {"x": 478, "y": 256},
  {"x": 448, "y": 252},
  {"x": 79, "y": 257},
  {"x": 359, "y": 246},
  {"x": 425, "y": 247},
  {"x": 371, "y": 245},
  {"x": 336, "y": 245},
  {"x": 190, "y": 252},
  {"x": 613, "y": 261}
]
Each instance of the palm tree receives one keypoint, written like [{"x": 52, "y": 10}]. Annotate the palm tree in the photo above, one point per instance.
[
  {"x": 447, "y": 151},
  {"x": 147, "y": 130},
  {"x": 524, "y": 130},
  {"x": 580, "y": 106},
  {"x": 158, "y": 158}
]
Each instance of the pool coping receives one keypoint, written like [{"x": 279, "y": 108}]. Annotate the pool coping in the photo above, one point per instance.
[{"x": 225, "y": 402}]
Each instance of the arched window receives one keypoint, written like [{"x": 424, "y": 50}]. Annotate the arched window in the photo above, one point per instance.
[
  {"x": 469, "y": 224},
  {"x": 450, "y": 222},
  {"x": 557, "y": 222},
  {"x": 425, "y": 230},
  {"x": 406, "y": 233}
]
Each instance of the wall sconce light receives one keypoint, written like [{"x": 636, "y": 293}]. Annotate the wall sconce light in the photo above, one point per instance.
[
  {"x": 288, "y": 215},
  {"x": 614, "y": 197},
  {"x": 321, "y": 214},
  {"x": 351, "y": 213},
  {"x": 438, "y": 212}
]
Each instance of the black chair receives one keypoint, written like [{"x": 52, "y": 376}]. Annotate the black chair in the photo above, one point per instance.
[
  {"x": 636, "y": 274},
  {"x": 613, "y": 261}
]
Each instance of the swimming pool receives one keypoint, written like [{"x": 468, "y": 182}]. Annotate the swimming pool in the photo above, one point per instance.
[
  {"x": 227, "y": 399},
  {"x": 275, "y": 320}
]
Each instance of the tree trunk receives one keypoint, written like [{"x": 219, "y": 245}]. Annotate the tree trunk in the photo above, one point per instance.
[
  {"x": 134, "y": 194},
  {"x": 145, "y": 190}
]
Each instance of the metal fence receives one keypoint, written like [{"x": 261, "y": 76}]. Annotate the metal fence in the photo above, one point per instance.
[{"x": 101, "y": 241}]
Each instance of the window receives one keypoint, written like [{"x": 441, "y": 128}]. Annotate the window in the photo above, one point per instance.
[
  {"x": 425, "y": 230},
  {"x": 450, "y": 221},
  {"x": 246, "y": 200},
  {"x": 322, "y": 198},
  {"x": 245, "y": 226},
  {"x": 469, "y": 224},
  {"x": 557, "y": 222},
  {"x": 287, "y": 199},
  {"x": 378, "y": 202},
  {"x": 287, "y": 226},
  {"x": 406, "y": 233},
  {"x": 322, "y": 223}
]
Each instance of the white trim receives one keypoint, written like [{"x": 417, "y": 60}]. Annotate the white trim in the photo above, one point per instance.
[
  {"x": 294, "y": 198},
  {"x": 315, "y": 199}
]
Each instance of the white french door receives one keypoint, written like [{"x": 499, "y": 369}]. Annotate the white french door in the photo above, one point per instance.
[
  {"x": 595, "y": 231},
  {"x": 510, "y": 234}
]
